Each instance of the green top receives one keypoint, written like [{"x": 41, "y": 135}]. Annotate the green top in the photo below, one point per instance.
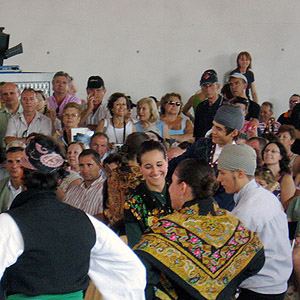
[
  {"x": 197, "y": 100},
  {"x": 70, "y": 296}
]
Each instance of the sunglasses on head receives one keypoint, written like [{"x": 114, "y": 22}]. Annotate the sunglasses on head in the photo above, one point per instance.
[{"x": 174, "y": 103}]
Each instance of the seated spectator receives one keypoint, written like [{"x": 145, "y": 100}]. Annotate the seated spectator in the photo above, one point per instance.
[
  {"x": 287, "y": 137},
  {"x": 73, "y": 152},
  {"x": 151, "y": 197},
  {"x": 180, "y": 129},
  {"x": 241, "y": 139},
  {"x": 112, "y": 162},
  {"x": 19, "y": 127},
  {"x": 249, "y": 127},
  {"x": 100, "y": 143},
  {"x": 119, "y": 126},
  {"x": 174, "y": 152},
  {"x": 258, "y": 144},
  {"x": 11, "y": 186},
  {"x": 177, "y": 243},
  {"x": 285, "y": 118},
  {"x": 88, "y": 196},
  {"x": 149, "y": 117},
  {"x": 61, "y": 96},
  {"x": 244, "y": 65},
  {"x": 276, "y": 159},
  {"x": 95, "y": 110},
  {"x": 265, "y": 177},
  {"x": 122, "y": 180},
  {"x": 267, "y": 123}
]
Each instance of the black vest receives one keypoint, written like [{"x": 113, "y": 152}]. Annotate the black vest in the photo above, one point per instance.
[{"x": 57, "y": 243}]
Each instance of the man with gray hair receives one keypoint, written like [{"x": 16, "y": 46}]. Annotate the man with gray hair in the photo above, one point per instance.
[
  {"x": 266, "y": 124},
  {"x": 261, "y": 212},
  {"x": 227, "y": 123}
]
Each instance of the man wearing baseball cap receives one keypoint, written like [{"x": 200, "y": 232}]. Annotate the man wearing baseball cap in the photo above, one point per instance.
[
  {"x": 238, "y": 84},
  {"x": 227, "y": 123},
  {"x": 261, "y": 212},
  {"x": 95, "y": 110},
  {"x": 207, "y": 109}
]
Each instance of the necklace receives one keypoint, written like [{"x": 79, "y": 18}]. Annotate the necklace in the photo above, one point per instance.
[
  {"x": 211, "y": 157},
  {"x": 124, "y": 131}
]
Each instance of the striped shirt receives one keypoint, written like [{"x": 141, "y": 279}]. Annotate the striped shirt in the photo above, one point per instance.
[{"x": 89, "y": 199}]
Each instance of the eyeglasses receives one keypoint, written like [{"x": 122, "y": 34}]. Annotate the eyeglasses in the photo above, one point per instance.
[
  {"x": 174, "y": 103},
  {"x": 272, "y": 151},
  {"x": 71, "y": 115},
  {"x": 294, "y": 102}
]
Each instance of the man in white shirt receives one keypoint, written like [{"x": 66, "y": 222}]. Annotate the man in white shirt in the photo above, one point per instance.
[
  {"x": 50, "y": 249},
  {"x": 261, "y": 212},
  {"x": 19, "y": 127}
]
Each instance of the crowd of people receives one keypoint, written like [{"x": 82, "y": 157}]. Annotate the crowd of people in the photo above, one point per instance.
[{"x": 207, "y": 200}]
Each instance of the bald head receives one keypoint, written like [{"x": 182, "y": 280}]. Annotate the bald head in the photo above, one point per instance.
[{"x": 10, "y": 95}]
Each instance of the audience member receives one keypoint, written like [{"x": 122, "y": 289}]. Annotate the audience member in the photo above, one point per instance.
[
  {"x": 20, "y": 126},
  {"x": 183, "y": 236},
  {"x": 238, "y": 84},
  {"x": 174, "y": 152},
  {"x": 149, "y": 117},
  {"x": 2, "y": 102},
  {"x": 265, "y": 177},
  {"x": 244, "y": 65},
  {"x": 180, "y": 129},
  {"x": 95, "y": 110},
  {"x": 151, "y": 197},
  {"x": 88, "y": 196},
  {"x": 10, "y": 187},
  {"x": 267, "y": 122},
  {"x": 72, "y": 87},
  {"x": 261, "y": 212},
  {"x": 100, "y": 143},
  {"x": 285, "y": 118},
  {"x": 10, "y": 95},
  {"x": 61, "y": 96},
  {"x": 258, "y": 144},
  {"x": 226, "y": 125},
  {"x": 50, "y": 249},
  {"x": 287, "y": 137},
  {"x": 207, "y": 109},
  {"x": 276, "y": 159}
]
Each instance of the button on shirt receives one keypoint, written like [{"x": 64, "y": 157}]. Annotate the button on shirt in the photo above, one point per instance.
[
  {"x": 89, "y": 199},
  {"x": 261, "y": 211},
  {"x": 18, "y": 127},
  {"x": 69, "y": 98}
]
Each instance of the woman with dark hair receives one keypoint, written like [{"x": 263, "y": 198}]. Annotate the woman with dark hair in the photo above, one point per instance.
[
  {"x": 200, "y": 251},
  {"x": 119, "y": 126},
  {"x": 50, "y": 249},
  {"x": 121, "y": 181},
  {"x": 276, "y": 159},
  {"x": 244, "y": 65},
  {"x": 151, "y": 197},
  {"x": 181, "y": 129}
]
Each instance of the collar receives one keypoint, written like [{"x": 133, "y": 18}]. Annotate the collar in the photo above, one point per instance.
[
  {"x": 237, "y": 197},
  {"x": 97, "y": 181},
  {"x": 18, "y": 111},
  {"x": 11, "y": 187}
]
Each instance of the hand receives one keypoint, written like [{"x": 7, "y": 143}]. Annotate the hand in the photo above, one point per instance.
[{"x": 90, "y": 100}]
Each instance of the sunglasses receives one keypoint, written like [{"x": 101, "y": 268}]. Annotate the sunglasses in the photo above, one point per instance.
[{"x": 174, "y": 103}]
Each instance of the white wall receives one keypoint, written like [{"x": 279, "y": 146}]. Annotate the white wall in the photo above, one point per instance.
[{"x": 150, "y": 47}]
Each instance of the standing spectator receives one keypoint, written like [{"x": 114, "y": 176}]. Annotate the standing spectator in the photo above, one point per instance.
[
  {"x": 261, "y": 212},
  {"x": 285, "y": 118},
  {"x": 244, "y": 65},
  {"x": 61, "y": 96},
  {"x": 19, "y": 127}
]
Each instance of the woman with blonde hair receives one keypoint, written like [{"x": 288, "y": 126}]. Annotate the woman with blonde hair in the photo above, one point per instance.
[{"x": 148, "y": 116}]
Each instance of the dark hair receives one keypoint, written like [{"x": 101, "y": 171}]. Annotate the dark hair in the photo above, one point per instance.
[
  {"x": 113, "y": 98},
  {"x": 270, "y": 137},
  {"x": 113, "y": 158},
  {"x": 88, "y": 152},
  {"x": 248, "y": 56},
  {"x": 184, "y": 145},
  {"x": 132, "y": 144},
  {"x": 165, "y": 99},
  {"x": 99, "y": 134},
  {"x": 267, "y": 103},
  {"x": 288, "y": 128},
  {"x": 77, "y": 143},
  {"x": 262, "y": 142},
  {"x": 34, "y": 179},
  {"x": 14, "y": 150},
  {"x": 284, "y": 162},
  {"x": 203, "y": 180},
  {"x": 148, "y": 146},
  {"x": 241, "y": 100}
]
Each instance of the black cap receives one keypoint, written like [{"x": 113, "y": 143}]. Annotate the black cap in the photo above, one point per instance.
[
  {"x": 95, "y": 82},
  {"x": 209, "y": 76}
]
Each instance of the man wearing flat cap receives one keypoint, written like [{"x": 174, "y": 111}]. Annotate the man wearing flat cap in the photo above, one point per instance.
[
  {"x": 261, "y": 212},
  {"x": 49, "y": 250},
  {"x": 227, "y": 123},
  {"x": 207, "y": 109},
  {"x": 95, "y": 110}
]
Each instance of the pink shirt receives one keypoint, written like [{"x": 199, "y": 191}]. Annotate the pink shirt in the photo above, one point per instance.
[{"x": 69, "y": 98}]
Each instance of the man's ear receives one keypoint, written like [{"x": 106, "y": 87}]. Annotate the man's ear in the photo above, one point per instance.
[
  {"x": 240, "y": 173},
  {"x": 234, "y": 133}
]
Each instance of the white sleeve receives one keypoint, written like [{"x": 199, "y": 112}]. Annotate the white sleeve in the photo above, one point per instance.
[
  {"x": 11, "y": 128},
  {"x": 115, "y": 270},
  {"x": 46, "y": 126},
  {"x": 11, "y": 242}
]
